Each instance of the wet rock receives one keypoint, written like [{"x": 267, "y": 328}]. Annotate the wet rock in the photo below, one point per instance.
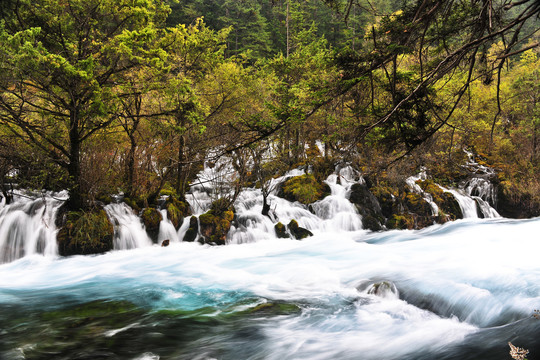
[
  {"x": 151, "y": 218},
  {"x": 84, "y": 233},
  {"x": 215, "y": 224},
  {"x": 177, "y": 210},
  {"x": 298, "y": 232},
  {"x": 165, "y": 243},
  {"x": 193, "y": 230},
  {"x": 281, "y": 231},
  {"x": 368, "y": 206},
  {"x": 304, "y": 189}
]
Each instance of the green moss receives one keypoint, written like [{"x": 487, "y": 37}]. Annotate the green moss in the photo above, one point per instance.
[
  {"x": 304, "y": 189},
  {"x": 133, "y": 203},
  {"x": 85, "y": 232},
  {"x": 281, "y": 231},
  {"x": 445, "y": 201},
  {"x": 401, "y": 221},
  {"x": 215, "y": 224},
  {"x": 151, "y": 219},
  {"x": 177, "y": 210}
]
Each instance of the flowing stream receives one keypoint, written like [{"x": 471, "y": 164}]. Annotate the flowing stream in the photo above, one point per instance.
[{"x": 461, "y": 290}]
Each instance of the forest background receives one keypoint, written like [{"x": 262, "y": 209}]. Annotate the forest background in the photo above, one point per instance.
[{"x": 101, "y": 97}]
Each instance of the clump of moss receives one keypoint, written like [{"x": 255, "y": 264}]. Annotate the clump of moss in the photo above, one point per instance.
[
  {"x": 304, "y": 189},
  {"x": 401, "y": 221},
  {"x": 151, "y": 219},
  {"x": 215, "y": 224},
  {"x": 177, "y": 210},
  {"x": 85, "y": 232}
]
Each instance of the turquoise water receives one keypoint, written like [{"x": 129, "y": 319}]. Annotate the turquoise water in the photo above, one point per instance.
[{"x": 464, "y": 289}]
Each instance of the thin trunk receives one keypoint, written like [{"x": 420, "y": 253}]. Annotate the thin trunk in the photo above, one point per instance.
[{"x": 75, "y": 201}]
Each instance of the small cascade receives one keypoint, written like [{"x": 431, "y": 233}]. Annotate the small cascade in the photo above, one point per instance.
[
  {"x": 166, "y": 229},
  {"x": 27, "y": 226},
  {"x": 128, "y": 229},
  {"x": 337, "y": 212},
  {"x": 411, "y": 182}
]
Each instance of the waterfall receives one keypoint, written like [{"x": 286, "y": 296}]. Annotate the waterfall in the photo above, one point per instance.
[
  {"x": 27, "y": 226},
  {"x": 128, "y": 229},
  {"x": 411, "y": 182}
]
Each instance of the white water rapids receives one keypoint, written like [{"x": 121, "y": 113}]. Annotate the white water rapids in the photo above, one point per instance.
[{"x": 461, "y": 290}]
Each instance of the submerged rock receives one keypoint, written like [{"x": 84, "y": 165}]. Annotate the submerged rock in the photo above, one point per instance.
[
  {"x": 298, "y": 232},
  {"x": 85, "y": 232},
  {"x": 193, "y": 230}
]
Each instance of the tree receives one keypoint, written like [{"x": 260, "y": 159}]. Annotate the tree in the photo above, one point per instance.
[{"x": 61, "y": 62}]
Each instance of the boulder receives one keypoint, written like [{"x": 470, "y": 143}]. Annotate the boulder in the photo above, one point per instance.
[
  {"x": 193, "y": 230},
  {"x": 281, "y": 231},
  {"x": 304, "y": 189},
  {"x": 84, "y": 233},
  {"x": 298, "y": 232},
  {"x": 151, "y": 218},
  {"x": 215, "y": 224},
  {"x": 177, "y": 210},
  {"x": 368, "y": 206}
]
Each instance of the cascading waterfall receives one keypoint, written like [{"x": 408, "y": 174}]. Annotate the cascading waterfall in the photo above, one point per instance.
[
  {"x": 457, "y": 291},
  {"x": 128, "y": 229},
  {"x": 27, "y": 226}
]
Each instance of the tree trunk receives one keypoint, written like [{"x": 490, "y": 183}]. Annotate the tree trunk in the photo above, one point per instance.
[{"x": 75, "y": 201}]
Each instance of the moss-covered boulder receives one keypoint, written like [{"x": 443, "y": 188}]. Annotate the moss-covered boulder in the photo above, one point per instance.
[
  {"x": 215, "y": 224},
  {"x": 386, "y": 197},
  {"x": 368, "y": 206},
  {"x": 304, "y": 189},
  {"x": 297, "y": 231},
  {"x": 85, "y": 232},
  {"x": 177, "y": 210},
  {"x": 281, "y": 231},
  {"x": 446, "y": 202},
  {"x": 193, "y": 230},
  {"x": 151, "y": 218}
]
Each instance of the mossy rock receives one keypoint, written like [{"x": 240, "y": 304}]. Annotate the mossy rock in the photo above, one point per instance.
[
  {"x": 373, "y": 223},
  {"x": 193, "y": 230},
  {"x": 177, "y": 210},
  {"x": 416, "y": 203},
  {"x": 297, "y": 231},
  {"x": 281, "y": 231},
  {"x": 135, "y": 204},
  {"x": 304, "y": 189},
  {"x": 85, "y": 232},
  {"x": 368, "y": 206},
  {"x": 446, "y": 202},
  {"x": 450, "y": 206},
  {"x": 386, "y": 197},
  {"x": 401, "y": 221},
  {"x": 215, "y": 224},
  {"x": 151, "y": 218}
]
